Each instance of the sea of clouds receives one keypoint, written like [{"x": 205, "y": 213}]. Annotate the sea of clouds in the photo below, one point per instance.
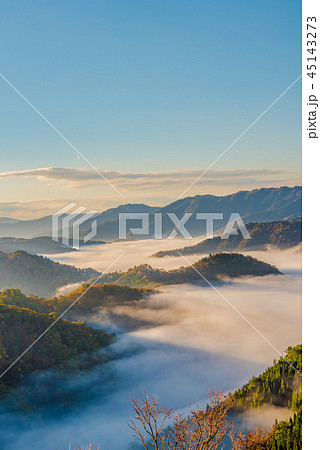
[{"x": 176, "y": 344}]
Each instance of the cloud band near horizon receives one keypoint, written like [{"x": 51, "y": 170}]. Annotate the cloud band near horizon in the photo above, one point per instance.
[
  {"x": 59, "y": 186},
  {"x": 72, "y": 178}
]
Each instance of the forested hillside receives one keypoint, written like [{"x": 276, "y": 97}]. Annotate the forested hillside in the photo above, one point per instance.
[
  {"x": 212, "y": 267},
  {"x": 282, "y": 234},
  {"x": 68, "y": 343},
  {"x": 284, "y": 435},
  {"x": 72, "y": 344},
  {"x": 98, "y": 296},
  {"x": 279, "y": 385},
  {"x": 287, "y": 434},
  {"x": 38, "y": 275},
  {"x": 212, "y": 426}
]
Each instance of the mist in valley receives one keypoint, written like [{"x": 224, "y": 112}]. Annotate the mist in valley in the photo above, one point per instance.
[
  {"x": 177, "y": 344},
  {"x": 100, "y": 257}
]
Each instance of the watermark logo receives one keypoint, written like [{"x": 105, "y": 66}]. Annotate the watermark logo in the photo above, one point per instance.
[
  {"x": 234, "y": 225},
  {"x": 68, "y": 223}
]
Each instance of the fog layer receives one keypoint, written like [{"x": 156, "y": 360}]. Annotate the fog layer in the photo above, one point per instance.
[{"x": 176, "y": 344}]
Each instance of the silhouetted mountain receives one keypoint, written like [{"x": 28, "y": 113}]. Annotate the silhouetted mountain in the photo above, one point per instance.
[
  {"x": 112, "y": 214},
  {"x": 35, "y": 227},
  {"x": 27, "y": 228},
  {"x": 42, "y": 245},
  {"x": 263, "y": 205},
  {"x": 38, "y": 275},
  {"x": 282, "y": 234},
  {"x": 258, "y": 205},
  {"x": 8, "y": 220}
]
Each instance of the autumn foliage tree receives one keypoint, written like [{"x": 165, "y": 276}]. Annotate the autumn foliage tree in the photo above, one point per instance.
[
  {"x": 253, "y": 440},
  {"x": 156, "y": 427}
]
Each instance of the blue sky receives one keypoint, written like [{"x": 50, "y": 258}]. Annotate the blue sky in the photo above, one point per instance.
[{"x": 147, "y": 86}]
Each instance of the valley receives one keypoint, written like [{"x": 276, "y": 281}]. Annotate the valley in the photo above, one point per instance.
[
  {"x": 185, "y": 329},
  {"x": 149, "y": 322}
]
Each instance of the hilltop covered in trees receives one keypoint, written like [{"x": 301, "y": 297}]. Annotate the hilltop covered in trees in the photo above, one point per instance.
[
  {"x": 72, "y": 344},
  {"x": 212, "y": 267},
  {"x": 69, "y": 343},
  {"x": 38, "y": 275},
  {"x": 281, "y": 234},
  {"x": 41, "y": 276},
  {"x": 98, "y": 296}
]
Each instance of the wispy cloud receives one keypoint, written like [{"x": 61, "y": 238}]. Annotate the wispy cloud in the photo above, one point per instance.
[
  {"x": 59, "y": 186},
  {"x": 71, "y": 178}
]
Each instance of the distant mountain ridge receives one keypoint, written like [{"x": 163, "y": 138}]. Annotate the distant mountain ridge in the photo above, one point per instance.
[
  {"x": 8, "y": 220},
  {"x": 41, "y": 244},
  {"x": 258, "y": 205},
  {"x": 281, "y": 234}
]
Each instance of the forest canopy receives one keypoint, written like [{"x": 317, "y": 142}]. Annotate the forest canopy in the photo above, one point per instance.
[
  {"x": 34, "y": 274},
  {"x": 64, "y": 342}
]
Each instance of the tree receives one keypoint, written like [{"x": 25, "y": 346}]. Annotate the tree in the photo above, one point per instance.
[
  {"x": 258, "y": 439},
  {"x": 157, "y": 428},
  {"x": 149, "y": 421}
]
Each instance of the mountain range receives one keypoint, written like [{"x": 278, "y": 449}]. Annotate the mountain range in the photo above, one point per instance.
[{"x": 258, "y": 205}]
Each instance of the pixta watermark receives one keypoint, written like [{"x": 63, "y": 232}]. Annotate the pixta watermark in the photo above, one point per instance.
[
  {"x": 180, "y": 225},
  {"x": 66, "y": 223}
]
